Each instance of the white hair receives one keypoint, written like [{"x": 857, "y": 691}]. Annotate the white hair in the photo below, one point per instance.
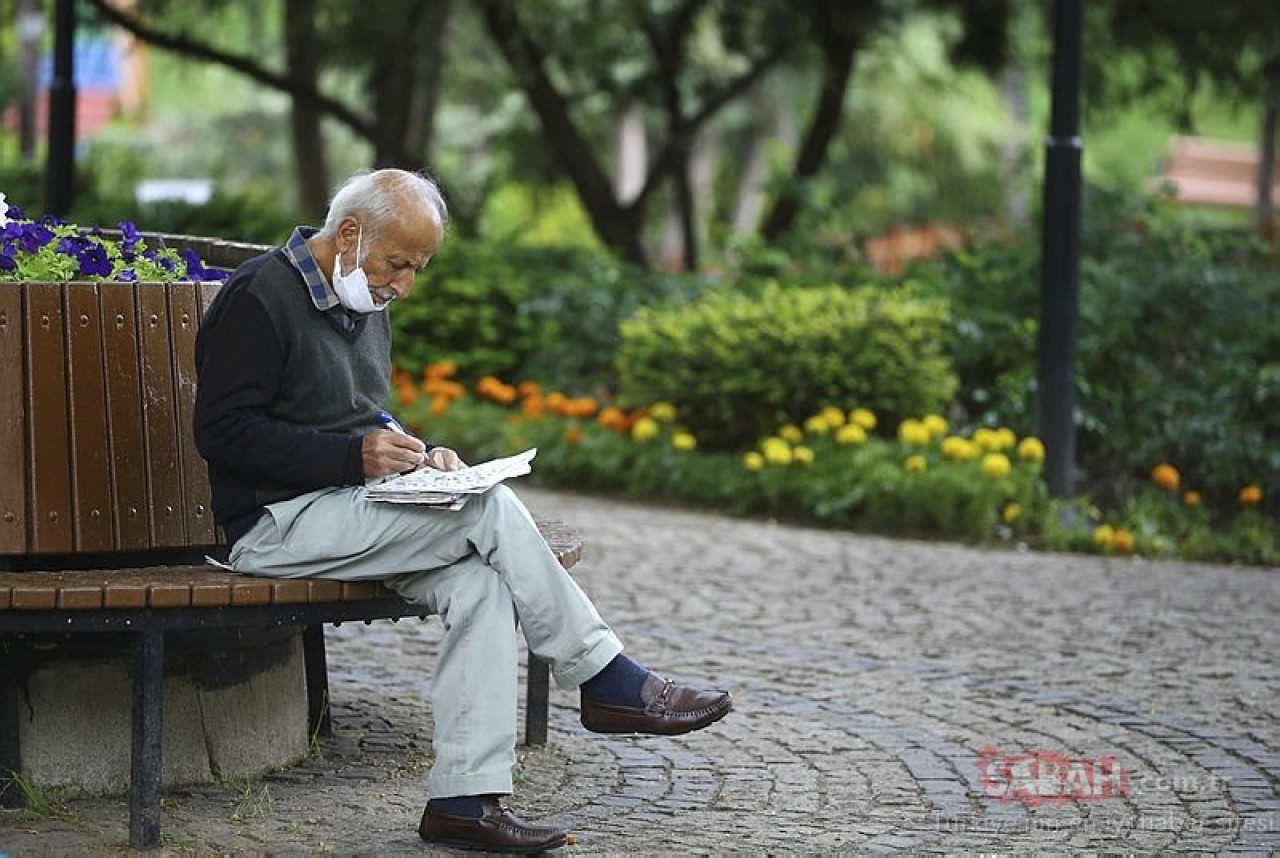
[{"x": 376, "y": 197}]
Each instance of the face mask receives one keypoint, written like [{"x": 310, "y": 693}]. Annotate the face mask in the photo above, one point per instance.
[{"x": 353, "y": 287}]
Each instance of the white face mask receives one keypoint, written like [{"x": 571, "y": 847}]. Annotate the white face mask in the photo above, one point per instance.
[{"x": 353, "y": 287}]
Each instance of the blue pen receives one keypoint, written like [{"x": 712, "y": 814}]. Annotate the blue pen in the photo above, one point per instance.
[{"x": 391, "y": 423}]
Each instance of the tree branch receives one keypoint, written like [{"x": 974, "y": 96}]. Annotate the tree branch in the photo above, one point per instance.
[{"x": 301, "y": 90}]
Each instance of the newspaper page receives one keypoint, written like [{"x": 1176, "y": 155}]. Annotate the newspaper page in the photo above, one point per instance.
[{"x": 450, "y": 488}]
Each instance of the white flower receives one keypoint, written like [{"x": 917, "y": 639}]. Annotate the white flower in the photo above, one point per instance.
[{"x": 4, "y": 210}]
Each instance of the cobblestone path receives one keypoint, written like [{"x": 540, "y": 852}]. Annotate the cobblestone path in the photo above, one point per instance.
[{"x": 891, "y": 696}]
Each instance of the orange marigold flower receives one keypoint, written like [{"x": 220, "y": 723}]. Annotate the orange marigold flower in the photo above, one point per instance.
[
  {"x": 439, "y": 405},
  {"x": 1191, "y": 498},
  {"x": 573, "y": 434},
  {"x": 1250, "y": 495},
  {"x": 440, "y": 369},
  {"x": 529, "y": 388},
  {"x": 1165, "y": 476},
  {"x": 533, "y": 407},
  {"x": 584, "y": 406},
  {"x": 612, "y": 417},
  {"x": 1121, "y": 541},
  {"x": 406, "y": 394}
]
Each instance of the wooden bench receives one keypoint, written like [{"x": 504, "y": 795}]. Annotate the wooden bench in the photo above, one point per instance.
[
  {"x": 1213, "y": 172},
  {"x": 104, "y": 508}
]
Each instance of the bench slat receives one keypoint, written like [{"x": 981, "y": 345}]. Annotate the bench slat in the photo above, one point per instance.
[
  {"x": 184, "y": 317},
  {"x": 48, "y": 432},
  {"x": 13, "y": 411},
  {"x": 86, "y": 401},
  {"x": 200, "y": 585},
  {"x": 124, "y": 418},
  {"x": 163, "y": 480}
]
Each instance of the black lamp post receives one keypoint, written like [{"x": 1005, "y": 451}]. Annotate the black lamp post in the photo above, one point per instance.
[
  {"x": 61, "y": 164},
  {"x": 1060, "y": 254}
]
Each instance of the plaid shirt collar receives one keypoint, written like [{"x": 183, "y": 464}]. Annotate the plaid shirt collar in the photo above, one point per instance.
[{"x": 322, "y": 294}]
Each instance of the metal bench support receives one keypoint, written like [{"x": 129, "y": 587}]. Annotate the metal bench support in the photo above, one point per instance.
[{"x": 148, "y": 730}]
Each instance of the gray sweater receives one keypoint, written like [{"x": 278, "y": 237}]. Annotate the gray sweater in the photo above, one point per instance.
[{"x": 285, "y": 391}]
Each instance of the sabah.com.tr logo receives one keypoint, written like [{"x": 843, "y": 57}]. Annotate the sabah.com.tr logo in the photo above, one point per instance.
[{"x": 1040, "y": 776}]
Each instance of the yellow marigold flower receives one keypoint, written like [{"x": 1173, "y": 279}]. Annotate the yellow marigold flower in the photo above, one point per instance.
[
  {"x": 1165, "y": 476},
  {"x": 911, "y": 431},
  {"x": 1122, "y": 541},
  {"x": 1250, "y": 495},
  {"x": 1011, "y": 513},
  {"x": 646, "y": 429},
  {"x": 573, "y": 434},
  {"x": 1031, "y": 449},
  {"x": 791, "y": 433},
  {"x": 834, "y": 416},
  {"x": 996, "y": 465},
  {"x": 915, "y": 464},
  {"x": 663, "y": 412},
  {"x": 802, "y": 455},
  {"x": 959, "y": 449},
  {"x": 817, "y": 425},
  {"x": 986, "y": 439},
  {"x": 778, "y": 453},
  {"x": 753, "y": 461},
  {"x": 1191, "y": 498},
  {"x": 936, "y": 424},
  {"x": 1102, "y": 536},
  {"x": 851, "y": 433},
  {"x": 684, "y": 442},
  {"x": 862, "y": 417},
  {"x": 1005, "y": 439}
]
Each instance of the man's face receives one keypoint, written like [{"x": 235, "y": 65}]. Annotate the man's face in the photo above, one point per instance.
[{"x": 393, "y": 260}]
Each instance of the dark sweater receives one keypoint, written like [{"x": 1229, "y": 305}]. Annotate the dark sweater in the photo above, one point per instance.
[{"x": 285, "y": 391}]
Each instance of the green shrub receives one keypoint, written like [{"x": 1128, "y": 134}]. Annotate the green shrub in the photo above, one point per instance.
[
  {"x": 737, "y": 366},
  {"x": 1178, "y": 337},
  {"x": 520, "y": 312}
]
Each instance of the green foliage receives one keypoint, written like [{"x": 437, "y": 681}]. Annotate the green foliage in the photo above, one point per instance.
[
  {"x": 1178, "y": 333},
  {"x": 518, "y": 312},
  {"x": 737, "y": 365}
]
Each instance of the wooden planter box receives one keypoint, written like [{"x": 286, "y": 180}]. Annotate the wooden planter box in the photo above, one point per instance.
[{"x": 97, "y": 388}]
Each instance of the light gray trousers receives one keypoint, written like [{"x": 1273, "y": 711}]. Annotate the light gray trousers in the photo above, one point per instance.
[{"x": 485, "y": 570}]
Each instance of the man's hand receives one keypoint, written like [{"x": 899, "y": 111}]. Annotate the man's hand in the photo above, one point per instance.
[
  {"x": 391, "y": 453},
  {"x": 444, "y": 459}
]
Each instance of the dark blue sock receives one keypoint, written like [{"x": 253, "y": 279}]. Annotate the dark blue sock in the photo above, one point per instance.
[
  {"x": 618, "y": 684},
  {"x": 470, "y": 806}
]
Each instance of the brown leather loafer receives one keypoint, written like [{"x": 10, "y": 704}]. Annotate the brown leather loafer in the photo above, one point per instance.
[
  {"x": 498, "y": 830},
  {"x": 668, "y": 710}
]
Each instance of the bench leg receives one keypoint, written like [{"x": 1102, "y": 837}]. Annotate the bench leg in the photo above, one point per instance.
[
  {"x": 537, "y": 701},
  {"x": 148, "y": 727},
  {"x": 10, "y": 750},
  {"x": 317, "y": 670}
]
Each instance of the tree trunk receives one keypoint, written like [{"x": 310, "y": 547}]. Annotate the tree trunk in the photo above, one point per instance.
[
  {"x": 1265, "y": 210},
  {"x": 839, "y": 29},
  {"x": 631, "y": 153},
  {"x": 619, "y": 227},
  {"x": 424, "y": 100},
  {"x": 303, "y": 62}
]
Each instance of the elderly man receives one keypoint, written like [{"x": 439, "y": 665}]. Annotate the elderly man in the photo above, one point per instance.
[{"x": 294, "y": 369}]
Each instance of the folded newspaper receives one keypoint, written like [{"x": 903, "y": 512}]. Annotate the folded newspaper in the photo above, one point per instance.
[{"x": 450, "y": 489}]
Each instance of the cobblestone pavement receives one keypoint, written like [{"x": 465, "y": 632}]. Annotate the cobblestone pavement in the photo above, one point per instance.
[{"x": 891, "y": 696}]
